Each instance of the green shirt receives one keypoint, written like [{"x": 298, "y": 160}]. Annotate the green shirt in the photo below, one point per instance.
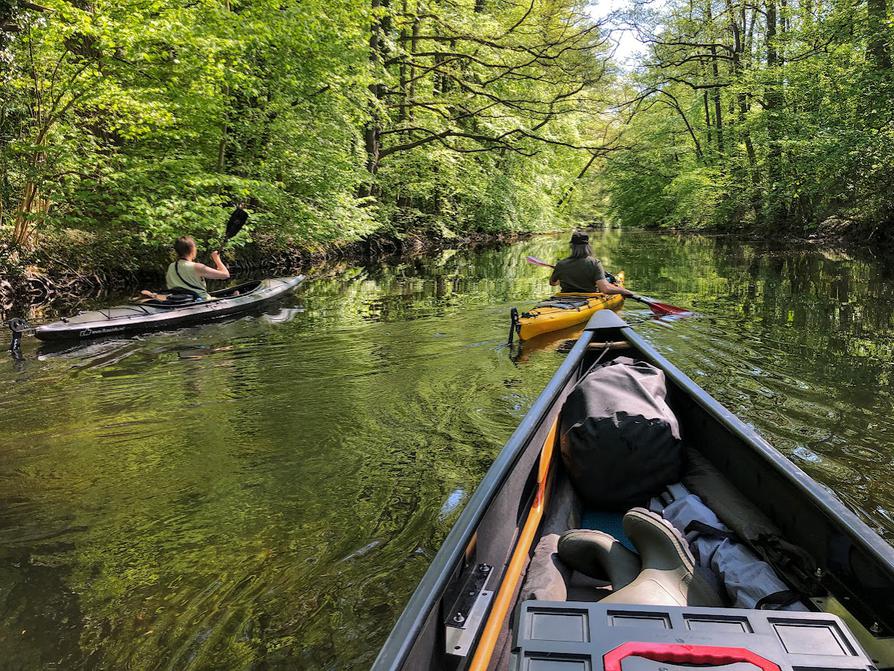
[
  {"x": 183, "y": 275},
  {"x": 578, "y": 275}
]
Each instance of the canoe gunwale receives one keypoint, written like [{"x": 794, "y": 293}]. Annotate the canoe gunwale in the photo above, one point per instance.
[{"x": 451, "y": 553}]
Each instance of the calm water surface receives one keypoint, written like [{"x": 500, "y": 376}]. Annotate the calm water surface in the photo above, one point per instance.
[{"x": 265, "y": 493}]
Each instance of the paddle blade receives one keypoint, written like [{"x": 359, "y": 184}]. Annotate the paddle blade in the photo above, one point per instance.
[
  {"x": 538, "y": 262},
  {"x": 236, "y": 222},
  {"x": 663, "y": 308}
]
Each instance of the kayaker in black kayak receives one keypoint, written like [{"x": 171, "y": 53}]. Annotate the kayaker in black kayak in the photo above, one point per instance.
[
  {"x": 581, "y": 273},
  {"x": 187, "y": 276}
]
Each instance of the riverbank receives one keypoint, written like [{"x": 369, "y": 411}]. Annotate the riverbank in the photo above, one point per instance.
[
  {"x": 832, "y": 232},
  {"x": 69, "y": 269}
]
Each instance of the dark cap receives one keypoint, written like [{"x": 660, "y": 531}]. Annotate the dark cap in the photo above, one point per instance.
[{"x": 578, "y": 238}]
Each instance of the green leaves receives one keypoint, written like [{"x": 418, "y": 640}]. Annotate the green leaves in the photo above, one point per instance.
[
  {"x": 141, "y": 118},
  {"x": 797, "y": 103},
  {"x": 146, "y": 117}
]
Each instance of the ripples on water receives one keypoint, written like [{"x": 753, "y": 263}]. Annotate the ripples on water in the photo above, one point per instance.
[{"x": 265, "y": 493}]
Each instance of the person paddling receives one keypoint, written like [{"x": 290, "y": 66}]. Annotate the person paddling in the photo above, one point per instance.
[
  {"x": 581, "y": 273},
  {"x": 185, "y": 275}
]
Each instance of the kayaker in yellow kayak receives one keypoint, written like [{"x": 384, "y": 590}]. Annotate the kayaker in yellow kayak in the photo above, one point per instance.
[
  {"x": 187, "y": 275},
  {"x": 581, "y": 273}
]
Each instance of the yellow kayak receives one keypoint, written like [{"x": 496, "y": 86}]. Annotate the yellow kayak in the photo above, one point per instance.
[{"x": 564, "y": 310}]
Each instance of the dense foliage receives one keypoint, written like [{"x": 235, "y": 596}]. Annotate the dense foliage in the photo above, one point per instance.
[
  {"x": 332, "y": 119},
  {"x": 124, "y": 123},
  {"x": 775, "y": 114}
]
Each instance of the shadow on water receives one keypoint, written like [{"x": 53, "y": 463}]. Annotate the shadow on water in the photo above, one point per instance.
[{"x": 264, "y": 493}]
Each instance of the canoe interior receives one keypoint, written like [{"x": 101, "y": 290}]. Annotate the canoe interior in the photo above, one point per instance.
[{"x": 856, "y": 577}]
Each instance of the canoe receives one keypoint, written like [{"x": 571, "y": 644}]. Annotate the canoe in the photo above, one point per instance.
[
  {"x": 562, "y": 311},
  {"x": 156, "y": 315},
  {"x": 466, "y": 612}
]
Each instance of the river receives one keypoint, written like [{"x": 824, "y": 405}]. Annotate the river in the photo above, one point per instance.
[{"x": 265, "y": 493}]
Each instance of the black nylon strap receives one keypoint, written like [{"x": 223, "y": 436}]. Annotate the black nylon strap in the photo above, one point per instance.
[
  {"x": 778, "y": 599},
  {"x": 191, "y": 286},
  {"x": 707, "y": 530}
]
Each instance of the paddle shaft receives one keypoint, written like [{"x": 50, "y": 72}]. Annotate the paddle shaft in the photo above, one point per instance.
[
  {"x": 654, "y": 306},
  {"x": 538, "y": 262}
]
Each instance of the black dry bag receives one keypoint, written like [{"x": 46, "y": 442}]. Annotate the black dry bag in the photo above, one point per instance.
[{"x": 620, "y": 440}]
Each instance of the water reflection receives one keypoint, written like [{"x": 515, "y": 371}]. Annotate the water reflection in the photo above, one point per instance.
[{"x": 265, "y": 493}]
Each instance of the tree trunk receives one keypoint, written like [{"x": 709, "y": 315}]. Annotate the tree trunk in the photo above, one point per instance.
[
  {"x": 21, "y": 231},
  {"x": 580, "y": 176},
  {"x": 742, "y": 104},
  {"x": 402, "y": 75},
  {"x": 30, "y": 202},
  {"x": 222, "y": 150},
  {"x": 718, "y": 116},
  {"x": 772, "y": 107},
  {"x": 718, "y": 113},
  {"x": 438, "y": 80},
  {"x": 373, "y": 125},
  {"x": 675, "y": 105},
  {"x": 414, "y": 48},
  {"x": 878, "y": 43}
]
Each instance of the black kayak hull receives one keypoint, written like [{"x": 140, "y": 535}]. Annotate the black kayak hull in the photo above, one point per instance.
[
  {"x": 855, "y": 566},
  {"x": 130, "y": 319}
]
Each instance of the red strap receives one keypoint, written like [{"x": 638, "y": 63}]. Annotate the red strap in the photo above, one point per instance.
[{"x": 678, "y": 653}]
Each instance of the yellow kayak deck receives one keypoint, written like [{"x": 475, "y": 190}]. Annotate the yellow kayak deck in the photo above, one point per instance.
[{"x": 564, "y": 310}]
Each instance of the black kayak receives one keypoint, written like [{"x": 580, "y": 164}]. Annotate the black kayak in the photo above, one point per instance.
[
  {"x": 502, "y": 593},
  {"x": 156, "y": 315}
]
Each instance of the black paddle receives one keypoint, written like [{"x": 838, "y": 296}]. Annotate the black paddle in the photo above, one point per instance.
[{"x": 234, "y": 225}]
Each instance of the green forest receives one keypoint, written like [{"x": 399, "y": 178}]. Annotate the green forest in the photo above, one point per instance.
[{"x": 126, "y": 123}]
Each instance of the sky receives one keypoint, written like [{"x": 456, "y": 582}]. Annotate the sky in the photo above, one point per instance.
[{"x": 627, "y": 44}]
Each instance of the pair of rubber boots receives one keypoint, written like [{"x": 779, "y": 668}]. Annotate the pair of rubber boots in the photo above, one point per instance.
[{"x": 662, "y": 574}]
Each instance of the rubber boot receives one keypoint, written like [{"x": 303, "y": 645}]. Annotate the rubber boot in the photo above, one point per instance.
[
  {"x": 668, "y": 576},
  {"x": 598, "y": 555}
]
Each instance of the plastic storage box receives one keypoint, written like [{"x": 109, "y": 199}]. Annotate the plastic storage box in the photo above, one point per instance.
[{"x": 583, "y": 636}]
